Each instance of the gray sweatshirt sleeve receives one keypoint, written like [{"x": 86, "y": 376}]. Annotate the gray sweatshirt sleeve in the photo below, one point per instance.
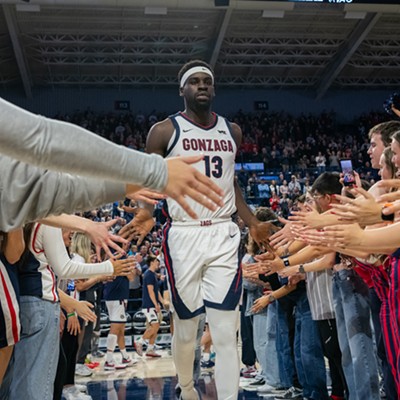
[
  {"x": 65, "y": 147},
  {"x": 28, "y": 193}
]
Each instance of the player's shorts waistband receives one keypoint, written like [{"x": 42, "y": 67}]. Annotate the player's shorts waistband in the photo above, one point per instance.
[{"x": 201, "y": 222}]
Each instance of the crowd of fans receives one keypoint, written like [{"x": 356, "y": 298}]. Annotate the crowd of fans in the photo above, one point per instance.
[
  {"x": 288, "y": 152},
  {"x": 299, "y": 158}
]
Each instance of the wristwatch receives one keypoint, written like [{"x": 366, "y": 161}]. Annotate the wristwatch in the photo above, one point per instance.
[
  {"x": 301, "y": 269},
  {"x": 286, "y": 262},
  {"x": 385, "y": 217},
  {"x": 271, "y": 298}
]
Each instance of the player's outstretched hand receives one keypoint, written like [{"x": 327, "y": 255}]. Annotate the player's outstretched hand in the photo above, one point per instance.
[
  {"x": 262, "y": 231},
  {"x": 139, "y": 227},
  {"x": 283, "y": 236},
  {"x": 184, "y": 180}
]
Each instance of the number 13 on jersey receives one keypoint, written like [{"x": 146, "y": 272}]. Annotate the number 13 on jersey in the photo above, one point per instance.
[{"x": 213, "y": 166}]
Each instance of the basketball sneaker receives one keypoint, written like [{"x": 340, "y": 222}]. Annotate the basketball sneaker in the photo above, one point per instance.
[
  {"x": 111, "y": 366},
  {"x": 139, "y": 348},
  {"x": 152, "y": 353}
]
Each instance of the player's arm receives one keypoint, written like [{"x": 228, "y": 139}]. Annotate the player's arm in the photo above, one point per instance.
[
  {"x": 143, "y": 222},
  {"x": 243, "y": 209},
  {"x": 260, "y": 231}
]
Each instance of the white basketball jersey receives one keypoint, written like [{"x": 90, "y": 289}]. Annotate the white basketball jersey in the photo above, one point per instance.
[{"x": 219, "y": 149}]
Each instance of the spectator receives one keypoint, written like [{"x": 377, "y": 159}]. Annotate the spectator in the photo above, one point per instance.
[{"x": 151, "y": 301}]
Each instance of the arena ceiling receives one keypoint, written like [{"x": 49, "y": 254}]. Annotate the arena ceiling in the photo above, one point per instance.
[{"x": 268, "y": 44}]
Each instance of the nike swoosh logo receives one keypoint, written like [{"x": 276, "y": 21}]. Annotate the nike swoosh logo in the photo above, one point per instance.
[
  {"x": 187, "y": 130},
  {"x": 232, "y": 236}
]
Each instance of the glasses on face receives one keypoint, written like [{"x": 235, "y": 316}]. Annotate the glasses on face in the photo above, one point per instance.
[{"x": 317, "y": 196}]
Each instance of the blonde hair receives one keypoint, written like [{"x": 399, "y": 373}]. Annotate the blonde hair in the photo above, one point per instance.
[
  {"x": 81, "y": 245},
  {"x": 387, "y": 157}
]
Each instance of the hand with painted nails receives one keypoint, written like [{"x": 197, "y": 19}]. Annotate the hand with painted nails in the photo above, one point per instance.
[
  {"x": 337, "y": 236},
  {"x": 364, "y": 209}
]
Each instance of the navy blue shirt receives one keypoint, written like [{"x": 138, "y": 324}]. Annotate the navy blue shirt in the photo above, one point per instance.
[
  {"x": 149, "y": 278},
  {"x": 118, "y": 289},
  {"x": 30, "y": 279}
]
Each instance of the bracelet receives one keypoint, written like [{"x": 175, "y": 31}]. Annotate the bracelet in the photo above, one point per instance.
[
  {"x": 71, "y": 314},
  {"x": 286, "y": 262},
  {"x": 301, "y": 269}
]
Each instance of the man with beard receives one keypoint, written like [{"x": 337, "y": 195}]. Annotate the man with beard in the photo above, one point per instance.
[{"x": 201, "y": 256}]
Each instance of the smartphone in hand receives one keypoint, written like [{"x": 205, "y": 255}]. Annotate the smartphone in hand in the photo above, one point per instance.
[{"x": 349, "y": 178}]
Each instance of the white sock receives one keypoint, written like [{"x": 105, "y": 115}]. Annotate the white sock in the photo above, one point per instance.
[
  {"x": 111, "y": 343},
  {"x": 150, "y": 347},
  {"x": 124, "y": 353},
  {"x": 223, "y": 326},
  {"x": 183, "y": 347},
  {"x": 206, "y": 357}
]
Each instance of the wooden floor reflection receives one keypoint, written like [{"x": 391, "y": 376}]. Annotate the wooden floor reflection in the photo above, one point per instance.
[{"x": 148, "y": 379}]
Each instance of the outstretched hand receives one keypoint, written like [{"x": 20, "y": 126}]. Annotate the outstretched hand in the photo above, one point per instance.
[
  {"x": 262, "y": 231},
  {"x": 308, "y": 217},
  {"x": 267, "y": 263},
  {"x": 139, "y": 227},
  {"x": 146, "y": 196},
  {"x": 184, "y": 180},
  {"x": 260, "y": 303},
  {"x": 84, "y": 310},
  {"x": 363, "y": 209},
  {"x": 284, "y": 236},
  {"x": 100, "y": 236},
  {"x": 336, "y": 236}
]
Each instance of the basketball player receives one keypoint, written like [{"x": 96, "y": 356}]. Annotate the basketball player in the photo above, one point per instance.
[
  {"x": 201, "y": 256},
  {"x": 151, "y": 300}
]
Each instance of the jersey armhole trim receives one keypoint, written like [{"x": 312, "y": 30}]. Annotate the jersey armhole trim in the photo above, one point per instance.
[
  {"x": 229, "y": 125},
  {"x": 176, "y": 138},
  {"x": 33, "y": 243}
]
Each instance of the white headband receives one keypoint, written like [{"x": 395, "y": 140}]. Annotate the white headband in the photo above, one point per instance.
[{"x": 194, "y": 70}]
